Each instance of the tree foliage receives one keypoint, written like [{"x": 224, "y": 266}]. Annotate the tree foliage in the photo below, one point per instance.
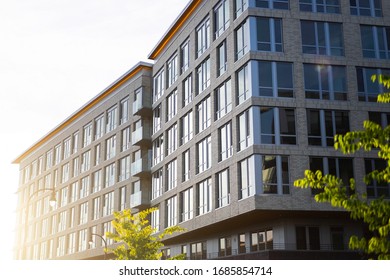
[
  {"x": 375, "y": 213},
  {"x": 137, "y": 239}
]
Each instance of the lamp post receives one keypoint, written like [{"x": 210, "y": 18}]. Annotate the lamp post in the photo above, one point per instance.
[
  {"x": 104, "y": 241},
  {"x": 52, "y": 202}
]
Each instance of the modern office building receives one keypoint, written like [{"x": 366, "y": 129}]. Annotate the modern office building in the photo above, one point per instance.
[{"x": 243, "y": 96}]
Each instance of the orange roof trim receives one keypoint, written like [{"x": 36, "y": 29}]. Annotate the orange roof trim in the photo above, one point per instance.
[
  {"x": 187, "y": 12},
  {"x": 131, "y": 73}
]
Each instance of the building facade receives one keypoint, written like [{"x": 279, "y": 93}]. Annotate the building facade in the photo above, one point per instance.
[{"x": 243, "y": 96}]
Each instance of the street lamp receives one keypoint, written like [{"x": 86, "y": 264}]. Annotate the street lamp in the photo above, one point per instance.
[
  {"x": 104, "y": 241},
  {"x": 52, "y": 203}
]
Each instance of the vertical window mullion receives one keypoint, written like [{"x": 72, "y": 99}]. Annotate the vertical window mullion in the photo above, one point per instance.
[
  {"x": 277, "y": 126},
  {"x": 327, "y": 39},
  {"x": 323, "y": 128},
  {"x": 329, "y": 73},
  {"x": 334, "y": 122},
  {"x": 316, "y": 38},
  {"x": 274, "y": 79},
  {"x": 375, "y": 38},
  {"x": 279, "y": 175},
  {"x": 272, "y": 34}
]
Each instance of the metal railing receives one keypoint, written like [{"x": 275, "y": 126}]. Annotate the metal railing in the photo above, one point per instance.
[{"x": 270, "y": 247}]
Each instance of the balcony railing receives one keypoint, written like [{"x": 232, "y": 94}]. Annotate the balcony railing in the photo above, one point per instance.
[
  {"x": 138, "y": 199},
  {"x": 141, "y": 136},
  {"x": 142, "y": 105},
  {"x": 235, "y": 253},
  {"x": 141, "y": 166}
]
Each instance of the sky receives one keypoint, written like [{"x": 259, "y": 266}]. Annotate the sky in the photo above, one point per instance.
[{"x": 55, "y": 55}]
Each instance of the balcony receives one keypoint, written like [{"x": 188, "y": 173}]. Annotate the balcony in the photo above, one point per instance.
[
  {"x": 141, "y": 136},
  {"x": 142, "y": 105},
  {"x": 141, "y": 167},
  {"x": 140, "y": 200}
]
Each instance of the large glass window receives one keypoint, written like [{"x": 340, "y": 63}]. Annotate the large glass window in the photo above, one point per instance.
[
  {"x": 126, "y": 141},
  {"x": 158, "y": 149},
  {"x": 187, "y": 205},
  {"x": 376, "y": 188},
  {"x": 157, "y": 184},
  {"x": 276, "y": 79},
  {"x": 187, "y": 91},
  {"x": 57, "y": 154},
  {"x": 124, "y": 111},
  {"x": 75, "y": 141},
  {"x": 202, "y": 37},
  {"x": 204, "y": 197},
  {"x": 382, "y": 119},
  {"x": 243, "y": 84},
  {"x": 83, "y": 213},
  {"x": 99, "y": 127},
  {"x": 277, "y": 126},
  {"x": 84, "y": 187},
  {"x": 272, "y": 4},
  {"x": 203, "y": 115},
  {"x": 269, "y": 34},
  {"x": 155, "y": 219},
  {"x": 325, "y": 82},
  {"x": 340, "y": 167},
  {"x": 171, "y": 175},
  {"x": 110, "y": 175},
  {"x": 108, "y": 204},
  {"x": 323, "y": 38},
  {"x": 203, "y": 76},
  {"x": 186, "y": 127},
  {"x": 225, "y": 247},
  {"x": 240, "y": 6},
  {"x": 67, "y": 150},
  {"x": 221, "y": 59},
  {"x": 83, "y": 240},
  {"x": 262, "y": 240},
  {"x": 172, "y": 139},
  {"x": 157, "y": 118},
  {"x": 371, "y": 8},
  {"x": 185, "y": 56},
  {"x": 186, "y": 165},
  {"x": 225, "y": 141},
  {"x": 223, "y": 96},
  {"x": 320, "y": 6},
  {"x": 124, "y": 169},
  {"x": 172, "y": 70},
  {"x": 96, "y": 181},
  {"x": 245, "y": 133},
  {"x": 198, "y": 251},
  {"x": 221, "y": 17},
  {"x": 275, "y": 174},
  {"x": 375, "y": 41},
  {"x": 171, "y": 211},
  {"x": 111, "y": 147},
  {"x": 171, "y": 105},
  {"x": 323, "y": 125},
  {"x": 247, "y": 182},
  {"x": 111, "y": 121},
  {"x": 367, "y": 89},
  {"x": 158, "y": 85},
  {"x": 96, "y": 208},
  {"x": 86, "y": 161},
  {"x": 308, "y": 238},
  {"x": 223, "y": 188},
  {"x": 65, "y": 173},
  {"x": 204, "y": 154},
  {"x": 242, "y": 40}
]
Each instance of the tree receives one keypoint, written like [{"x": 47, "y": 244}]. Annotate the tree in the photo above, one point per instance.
[
  {"x": 136, "y": 237},
  {"x": 375, "y": 213}
]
